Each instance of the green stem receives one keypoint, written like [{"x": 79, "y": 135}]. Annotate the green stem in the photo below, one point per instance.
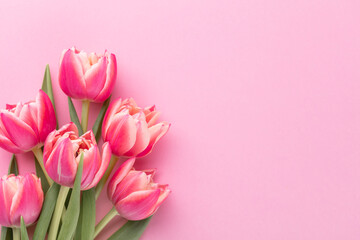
[
  {"x": 106, "y": 175},
  {"x": 85, "y": 115},
  {"x": 16, "y": 233},
  {"x": 108, "y": 217},
  {"x": 39, "y": 156},
  {"x": 58, "y": 212}
]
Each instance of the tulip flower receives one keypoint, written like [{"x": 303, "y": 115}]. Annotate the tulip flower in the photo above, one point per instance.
[
  {"x": 20, "y": 196},
  {"x": 24, "y": 127},
  {"x": 134, "y": 194},
  {"x": 87, "y": 76},
  {"x": 62, "y": 152},
  {"x": 130, "y": 130}
]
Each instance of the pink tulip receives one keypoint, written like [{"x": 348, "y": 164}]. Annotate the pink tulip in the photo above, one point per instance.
[
  {"x": 87, "y": 76},
  {"x": 130, "y": 130},
  {"x": 20, "y": 196},
  {"x": 62, "y": 152},
  {"x": 25, "y": 126},
  {"x": 134, "y": 193}
]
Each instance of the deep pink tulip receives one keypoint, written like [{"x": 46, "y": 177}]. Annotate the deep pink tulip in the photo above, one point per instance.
[
  {"x": 25, "y": 126},
  {"x": 130, "y": 130},
  {"x": 134, "y": 193},
  {"x": 87, "y": 76},
  {"x": 20, "y": 196},
  {"x": 62, "y": 153}
]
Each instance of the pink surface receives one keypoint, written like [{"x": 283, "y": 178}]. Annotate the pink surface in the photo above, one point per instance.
[{"x": 263, "y": 97}]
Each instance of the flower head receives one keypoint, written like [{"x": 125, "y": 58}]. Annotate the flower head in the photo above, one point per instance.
[
  {"x": 130, "y": 130},
  {"x": 87, "y": 76},
  {"x": 134, "y": 193},
  {"x": 62, "y": 152},
  {"x": 20, "y": 196},
  {"x": 25, "y": 126}
]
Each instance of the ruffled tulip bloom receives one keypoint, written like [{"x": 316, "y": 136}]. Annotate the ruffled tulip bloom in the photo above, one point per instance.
[
  {"x": 87, "y": 76},
  {"x": 62, "y": 152},
  {"x": 26, "y": 126},
  {"x": 134, "y": 194},
  {"x": 131, "y": 130},
  {"x": 20, "y": 196}
]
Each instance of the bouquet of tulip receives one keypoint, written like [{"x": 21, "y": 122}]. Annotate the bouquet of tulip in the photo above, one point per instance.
[{"x": 71, "y": 171}]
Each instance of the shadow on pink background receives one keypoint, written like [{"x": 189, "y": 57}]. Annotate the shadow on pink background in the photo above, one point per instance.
[{"x": 263, "y": 97}]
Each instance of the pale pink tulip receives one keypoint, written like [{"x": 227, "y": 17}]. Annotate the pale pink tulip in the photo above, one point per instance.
[
  {"x": 62, "y": 151},
  {"x": 87, "y": 76},
  {"x": 134, "y": 193},
  {"x": 131, "y": 130},
  {"x": 20, "y": 196},
  {"x": 25, "y": 126}
]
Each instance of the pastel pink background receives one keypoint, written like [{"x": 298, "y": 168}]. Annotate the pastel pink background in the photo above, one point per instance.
[{"x": 263, "y": 96}]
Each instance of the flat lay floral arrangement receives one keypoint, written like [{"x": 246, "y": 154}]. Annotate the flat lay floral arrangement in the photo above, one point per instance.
[{"x": 71, "y": 168}]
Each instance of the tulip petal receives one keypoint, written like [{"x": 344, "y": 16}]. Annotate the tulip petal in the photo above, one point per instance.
[
  {"x": 55, "y": 135},
  {"x": 3, "y": 131},
  {"x": 70, "y": 127},
  {"x": 71, "y": 76},
  {"x": 119, "y": 175},
  {"x": 134, "y": 181},
  {"x": 95, "y": 78},
  {"x": 15, "y": 201},
  {"x": 83, "y": 58},
  {"x": 46, "y": 115},
  {"x": 111, "y": 74},
  {"x": 61, "y": 164},
  {"x": 165, "y": 191},
  {"x": 5, "y": 203},
  {"x": 89, "y": 135},
  {"x": 105, "y": 160},
  {"x": 49, "y": 144},
  {"x": 152, "y": 117},
  {"x": 17, "y": 109},
  {"x": 114, "y": 107},
  {"x": 138, "y": 205},
  {"x": 142, "y": 138},
  {"x": 122, "y": 133},
  {"x": 9, "y": 146},
  {"x": 19, "y": 132},
  {"x": 28, "y": 200},
  {"x": 156, "y": 132},
  {"x": 27, "y": 115},
  {"x": 92, "y": 162}
]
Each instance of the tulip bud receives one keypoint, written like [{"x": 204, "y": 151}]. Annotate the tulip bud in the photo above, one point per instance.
[
  {"x": 87, "y": 76},
  {"x": 25, "y": 126},
  {"x": 134, "y": 193},
  {"x": 62, "y": 152},
  {"x": 130, "y": 130},
  {"x": 20, "y": 196}
]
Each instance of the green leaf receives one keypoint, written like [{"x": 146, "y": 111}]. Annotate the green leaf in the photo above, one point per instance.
[
  {"x": 39, "y": 172},
  {"x": 99, "y": 120},
  {"x": 47, "y": 212},
  {"x": 132, "y": 230},
  {"x": 68, "y": 227},
  {"x": 13, "y": 167},
  {"x": 24, "y": 234},
  {"x": 68, "y": 198},
  {"x": 88, "y": 214},
  {"x": 74, "y": 117},
  {"x": 47, "y": 88},
  {"x": 6, "y": 233},
  {"x": 47, "y": 84},
  {"x": 79, "y": 225}
]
